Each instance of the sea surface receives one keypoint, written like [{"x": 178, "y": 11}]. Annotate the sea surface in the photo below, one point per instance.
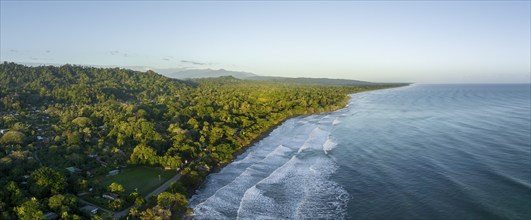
[{"x": 414, "y": 152}]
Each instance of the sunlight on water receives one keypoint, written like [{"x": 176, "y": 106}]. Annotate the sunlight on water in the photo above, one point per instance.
[{"x": 417, "y": 152}]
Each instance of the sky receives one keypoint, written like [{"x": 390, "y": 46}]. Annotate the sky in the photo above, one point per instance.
[{"x": 379, "y": 41}]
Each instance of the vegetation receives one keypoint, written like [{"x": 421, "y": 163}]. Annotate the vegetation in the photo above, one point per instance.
[
  {"x": 64, "y": 128},
  {"x": 138, "y": 179}
]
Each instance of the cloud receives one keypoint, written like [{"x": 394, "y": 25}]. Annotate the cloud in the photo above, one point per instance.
[
  {"x": 167, "y": 58},
  {"x": 193, "y": 62},
  {"x": 38, "y": 58},
  {"x": 13, "y": 51},
  {"x": 118, "y": 53},
  {"x": 48, "y": 51}
]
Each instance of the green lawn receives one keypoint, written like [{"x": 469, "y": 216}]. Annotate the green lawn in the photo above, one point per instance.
[{"x": 145, "y": 179}]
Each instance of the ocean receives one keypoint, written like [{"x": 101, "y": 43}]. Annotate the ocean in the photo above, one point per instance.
[{"x": 414, "y": 152}]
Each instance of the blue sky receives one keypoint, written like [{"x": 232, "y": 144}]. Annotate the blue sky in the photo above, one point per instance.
[{"x": 414, "y": 41}]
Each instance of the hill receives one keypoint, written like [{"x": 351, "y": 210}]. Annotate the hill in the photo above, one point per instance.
[
  {"x": 96, "y": 120},
  {"x": 208, "y": 73}
]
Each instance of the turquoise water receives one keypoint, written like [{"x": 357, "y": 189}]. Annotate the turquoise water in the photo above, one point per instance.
[{"x": 415, "y": 152}]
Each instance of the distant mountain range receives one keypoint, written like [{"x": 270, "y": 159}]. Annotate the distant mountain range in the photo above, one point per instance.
[
  {"x": 183, "y": 73},
  {"x": 210, "y": 73},
  {"x": 206, "y": 73}
]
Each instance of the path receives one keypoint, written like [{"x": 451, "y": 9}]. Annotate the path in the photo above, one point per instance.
[{"x": 161, "y": 188}]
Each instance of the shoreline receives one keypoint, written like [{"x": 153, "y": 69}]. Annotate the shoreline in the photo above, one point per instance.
[
  {"x": 268, "y": 131},
  {"x": 259, "y": 138},
  {"x": 265, "y": 134}
]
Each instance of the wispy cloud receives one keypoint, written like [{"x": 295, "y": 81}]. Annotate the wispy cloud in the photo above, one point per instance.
[
  {"x": 118, "y": 53},
  {"x": 167, "y": 58},
  {"x": 193, "y": 62},
  {"x": 48, "y": 51},
  {"x": 39, "y": 58},
  {"x": 13, "y": 51}
]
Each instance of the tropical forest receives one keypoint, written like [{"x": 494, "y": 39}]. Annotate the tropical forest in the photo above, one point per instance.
[{"x": 75, "y": 139}]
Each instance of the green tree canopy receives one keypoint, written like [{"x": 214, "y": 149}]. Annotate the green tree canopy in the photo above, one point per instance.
[
  {"x": 29, "y": 210},
  {"x": 46, "y": 181},
  {"x": 143, "y": 155},
  {"x": 115, "y": 188},
  {"x": 82, "y": 121},
  {"x": 13, "y": 137},
  {"x": 62, "y": 203}
]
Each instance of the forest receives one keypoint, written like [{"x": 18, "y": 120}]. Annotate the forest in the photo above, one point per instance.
[{"x": 65, "y": 128}]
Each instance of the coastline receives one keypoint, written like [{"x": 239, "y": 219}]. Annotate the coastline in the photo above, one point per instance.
[
  {"x": 268, "y": 131},
  {"x": 265, "y": 134}
]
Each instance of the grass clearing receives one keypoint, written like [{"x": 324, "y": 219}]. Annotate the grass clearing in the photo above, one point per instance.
[{"x": 145, "y": 179}]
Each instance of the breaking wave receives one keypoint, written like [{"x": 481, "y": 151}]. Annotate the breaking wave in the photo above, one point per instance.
[{"x": 285, "y": 175}]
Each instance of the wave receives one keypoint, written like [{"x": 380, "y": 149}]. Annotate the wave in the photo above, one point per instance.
[{"x": 286, "y": 175}]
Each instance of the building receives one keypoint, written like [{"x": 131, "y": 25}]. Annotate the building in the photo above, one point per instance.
[
  {"x": 73, "y": 169},
  {"x": 50, "y": 216},
  {"x": 3, "y": 131},
  {"x": 113, "y": 172},
  {"x": 110, "y": 196},
  {"x": 91, "y": 210}
]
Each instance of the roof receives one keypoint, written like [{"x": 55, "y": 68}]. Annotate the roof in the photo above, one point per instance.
[
  {"x": 89, "y": 208},
  {"x": 50, "y": 215},
  {"x": 73, "y": 169}
]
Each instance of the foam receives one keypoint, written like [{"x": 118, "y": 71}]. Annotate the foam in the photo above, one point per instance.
[
  {"x": 329, "y": 145},
  {"x": 336, "y": 121},
  {"x": 283, "y": 176}
]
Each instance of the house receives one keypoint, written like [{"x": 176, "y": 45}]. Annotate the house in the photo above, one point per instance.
[
  {"x": 113, "y": 172},
  {"x": 50, "y": 216},
  {"x": 40, "y": 138},
  {"x": 73, "y": 169},
  {"x": 110, "y": 196},
  {"x": 91, "y": 210}
]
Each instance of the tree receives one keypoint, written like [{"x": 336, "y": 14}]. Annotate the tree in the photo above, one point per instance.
[
  {"x": 172, "y": 201},
  {"x": 143, "y": 155},
  {"x": 19, "y": 126},
  {"x": 13, "y": 137},
  {"x": 172, "y": 162},
  {"x": 29, "y": 210},
  {"x": 155, "y": 213},
  {"x": 116, "y": 204},
  {"x": 12, "y": 194},
  {"x": 116, "y": 188},
  {"x": 61, "y": 203},
  {"x": 136, "y": 198},
  {"x": 133, "y": 213},
  {"x": 73, "y": 138},
  {"x": 177, "y": 187},
  {"x": 46, "y": 181},
  {"x": 82, "y": 121}
]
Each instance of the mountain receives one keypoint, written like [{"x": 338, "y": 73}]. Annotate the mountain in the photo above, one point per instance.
[
  {"x": 311, "y": 81},
  {"x": 210, "y": 73},
  {"x": 206, "y": 73},
  {"x": 183, "y": 73}
]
